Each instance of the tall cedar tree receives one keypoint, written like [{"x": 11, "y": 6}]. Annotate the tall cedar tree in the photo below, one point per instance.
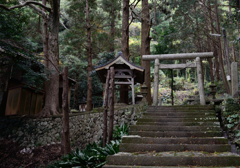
[
  {"x": 145, "y": 45},
  {"x": 52, "y": 86},
  {"x": 89, "y": 54},
  {"x": 125, "y": 46}
]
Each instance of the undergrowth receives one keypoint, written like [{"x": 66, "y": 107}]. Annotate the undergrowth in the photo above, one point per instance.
[
  {"x": 231, "y": 119},
  {"x": 93, "y": 156}
]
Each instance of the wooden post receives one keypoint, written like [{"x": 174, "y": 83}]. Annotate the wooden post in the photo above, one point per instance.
[
  {"x": 172, "y": 87},
  {"x": 111, "y": 114},
  {"x": 200, "y": 81},
  {"x": 105, "y": 109},
  {"x": 133, "y": 95},
  {"x": 66, "y": 133},
  {"x": 156, "y": 84}
]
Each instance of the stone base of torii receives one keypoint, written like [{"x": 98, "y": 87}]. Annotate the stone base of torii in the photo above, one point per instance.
[{"x": 158, "y": 66}]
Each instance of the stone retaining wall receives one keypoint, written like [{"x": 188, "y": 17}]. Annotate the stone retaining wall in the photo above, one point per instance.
[{"x": 85, "y": 127}]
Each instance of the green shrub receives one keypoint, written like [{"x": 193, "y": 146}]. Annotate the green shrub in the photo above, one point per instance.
[
  {"x": 119, "y": 132},
  {"x": 179, "y": 83},
  {"x": 220, "y": 87},
  {"x": 231, "y": 119},
  {"x": 93, "y": 156}
]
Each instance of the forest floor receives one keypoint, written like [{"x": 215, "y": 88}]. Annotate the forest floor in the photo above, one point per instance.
[{"x": 11, "y": 156}]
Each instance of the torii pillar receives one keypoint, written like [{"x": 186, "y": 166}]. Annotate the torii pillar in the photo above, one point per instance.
[{"x": 200, "y": 82}]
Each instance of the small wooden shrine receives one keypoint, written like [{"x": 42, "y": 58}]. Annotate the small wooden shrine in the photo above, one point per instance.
[
  {"x": 15, "y": 97},
  {"x": 126, "y": 73}
]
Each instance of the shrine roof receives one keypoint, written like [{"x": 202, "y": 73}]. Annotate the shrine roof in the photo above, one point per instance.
[{"x": 120, "y": 63}]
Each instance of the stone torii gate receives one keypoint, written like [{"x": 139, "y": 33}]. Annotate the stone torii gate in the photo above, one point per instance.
[{"x": 196, "y": 56}]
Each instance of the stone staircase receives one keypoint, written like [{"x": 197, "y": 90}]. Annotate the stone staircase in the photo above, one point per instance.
[{"x": 175, "y": 136}]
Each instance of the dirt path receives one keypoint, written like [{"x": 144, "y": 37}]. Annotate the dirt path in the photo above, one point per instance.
[{"x": 10, "y": 156}]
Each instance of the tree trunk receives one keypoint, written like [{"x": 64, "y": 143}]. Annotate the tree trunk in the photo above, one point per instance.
[
  {"x": 52, "y": 86},
  {"x": 105, "y": 109},
  {"x": 225, "y": 83},
  {"x": 65, "y": 108},
  {"x": 45, "y": 43},
  {"x": 125, "y": 46},
  {"x": 209, "y": 43},
  {"x": 45, "y": 37},
  {"x": 214, "y": 43},
  {"x": 89, "y": 84},
  {"x": 125, "y": 29},
  {"x": 233, "y": 52},
  {"x": 226, "y": 52},
  {"x": 111, "y": 105},
  {"x": 76, "y": 105},
  {"x": 113, "y": 16},
  {"x": 145, "y": 46},
  {"x": 199, "y": 47}
]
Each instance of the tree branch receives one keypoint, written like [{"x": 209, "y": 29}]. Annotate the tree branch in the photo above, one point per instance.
[
  {"x": 25, "y": 4},
  {"x": 61, "y": 13},
  {"x": 63, "y": 24},
  {"x": 40, "y": 12}
]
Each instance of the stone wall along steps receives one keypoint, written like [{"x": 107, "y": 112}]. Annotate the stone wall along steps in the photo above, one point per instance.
[{"x": 175, "y": 136}]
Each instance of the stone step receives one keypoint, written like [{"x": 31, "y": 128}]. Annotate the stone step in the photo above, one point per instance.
[
  {"x": 193, "y": 119},
  {"x": 176, "y": 134},
  {"x": 146, "y": 140},
  {"x": 121, "y": 166},
  {"x": 179, "y": 123},
  {"x": 173, "y": 128},
  {"x": 179, "y": 114},
  {"x": 200, "y": 117},
  {"x": 180, "y": 107},
  {"x": 179, "y": 110},
  {"x": 156, "y": 159},
  {"x": 130, "y": 147},
  {"x": 194, "y": 105}
]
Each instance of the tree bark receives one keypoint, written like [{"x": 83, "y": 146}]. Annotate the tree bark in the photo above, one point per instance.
[
  {"x": 199, "y": 48},
  {"x": 125, "y": 46},
  {"x": 225, "y": 83},
  {"x": 113, "y": 16},
  {"x": 145, "y": 46},
  {"x": 89, "y": 53},
  {"x": 172, "y": 87},
  {"x": 45, "y": 37},
  {"x": 76, "y": 105},
  {"x": 52, "y": 86},
  {"x": 208, "y": 43},
  {"x": 65, "y": 108},
  {"x": 125, "y": 29},
  {"x": 111, "y": 116},
  {"x": 105, "y": 109},
  {"x": 226, "y": 52},
  {"x": 214, "y": 43},
  {"x": 45, "y": 43}
]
